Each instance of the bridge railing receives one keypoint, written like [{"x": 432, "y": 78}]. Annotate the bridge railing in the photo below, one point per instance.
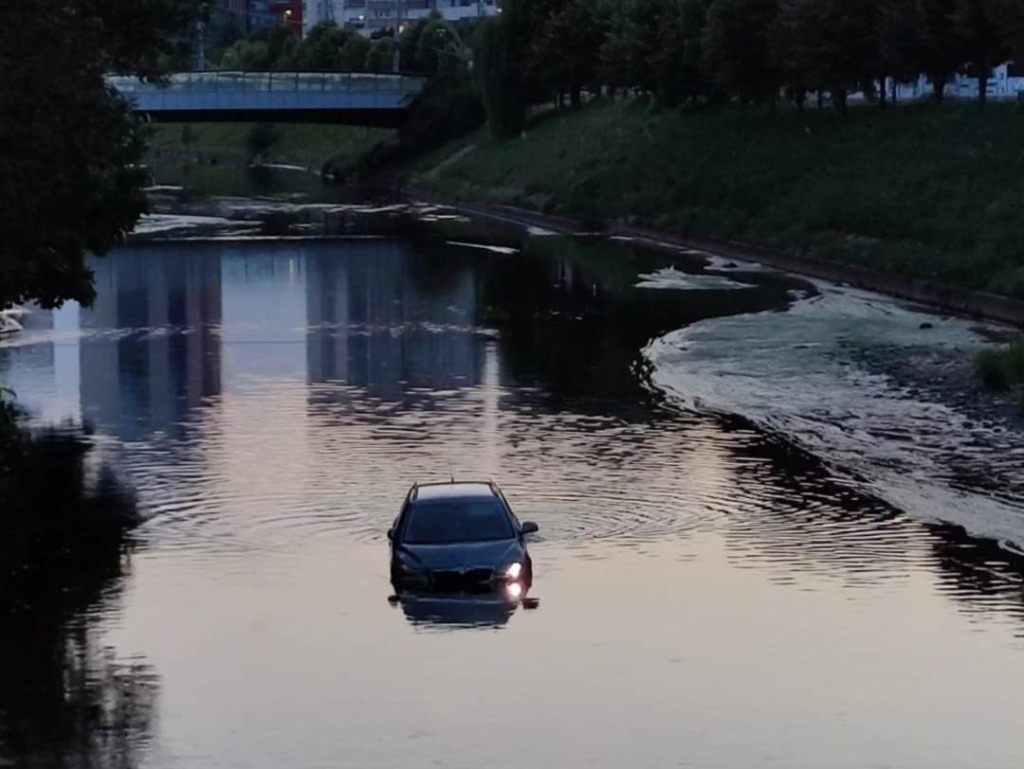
[{"x": 291, "y": 82}]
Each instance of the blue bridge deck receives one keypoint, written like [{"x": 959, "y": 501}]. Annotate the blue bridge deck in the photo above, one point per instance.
[{"x": 309, "y": 97}]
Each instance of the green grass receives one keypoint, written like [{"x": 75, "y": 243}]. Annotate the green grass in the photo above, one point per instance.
[
  {"x": 1001, "y": 370},
  {"x": 924, "y": 191},
  {"x": 310, "y": 146}
]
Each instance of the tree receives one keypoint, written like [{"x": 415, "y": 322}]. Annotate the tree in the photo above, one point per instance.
[
  {"x": 678, "y": 63},
  {"x": 438, "y": 47},
  {"x": 940, "y": 51},
  {"x": 247, "y": 55},
  {"x": 829, "y": 45},
  {"x": 379, "y": 56},
  {"x": 737, "y": 51},
  {"x": 986, "y": 29},
  {"x": 566, "y": 51},
  {"x": 352, "y": 56},
  {"x": 408, "y": 46},
  {"x": 260, "y": 139},
  {"x": 632, "y": 44},
  {"x": 70, "y": 179},
  {"x": 501, "y": 46},
  {"x": 320, "y": 49},
  {"x": 899, "y": 38}
]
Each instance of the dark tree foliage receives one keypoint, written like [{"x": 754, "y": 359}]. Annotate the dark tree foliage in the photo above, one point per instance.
[
  {"x": 322, "y": 47},
  {"x": 380, "y": 56},
  {"x": 677, "y": 65},
  {"x": 987, "y": 30},
  {"x": 899, "y": 38},
  {"x": 438, "y": 49},
  {"x": 352, "y": 56},
  {"x": 940, "y": 50},
  {"x": 829, "y": 45},
  {"x": 69, "y": 147},
  {"x": 737, "y": 51},
  {"x": 633, "y": 44},
  {"x": 752, "y": 51},
  {"x": 502, "y": 45},
  {"x": 565, "y": 55}
]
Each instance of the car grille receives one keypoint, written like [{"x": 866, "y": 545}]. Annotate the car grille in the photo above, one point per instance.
[{"x": 471, "y": 580}]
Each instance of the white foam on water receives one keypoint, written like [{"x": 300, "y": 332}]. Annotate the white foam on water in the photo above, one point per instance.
[
  {"x": 506, "y": 250},
  {"x": 795, "y": 374},
  {"x": 283, "y": 167},
  {"x": 8, "y": 324},
  {"x": 716, "y": 262},
  {"x": 154, "y": 223},
  {"x": 672, "y": 279}
]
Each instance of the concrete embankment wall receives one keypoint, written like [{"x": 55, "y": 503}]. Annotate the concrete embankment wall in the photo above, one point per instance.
[{"x": 957, "y": 301}]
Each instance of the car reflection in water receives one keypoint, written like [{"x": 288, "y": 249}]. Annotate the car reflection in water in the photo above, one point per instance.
[
  {"x": 459, "y": 556},
  {"x": 459, "y": 610}
]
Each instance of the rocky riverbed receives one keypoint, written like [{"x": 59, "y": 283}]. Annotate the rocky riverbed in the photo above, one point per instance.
[{"x": 945, "y": 376}]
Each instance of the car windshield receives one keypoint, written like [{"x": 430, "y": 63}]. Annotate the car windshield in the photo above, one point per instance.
[{"x": 457, "y": 520}]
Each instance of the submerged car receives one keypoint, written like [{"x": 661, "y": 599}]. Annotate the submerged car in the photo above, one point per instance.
[{"x": 460, "y": 537}]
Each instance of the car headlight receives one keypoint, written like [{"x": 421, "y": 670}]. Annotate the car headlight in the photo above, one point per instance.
[{"x": 514, "y": 570}]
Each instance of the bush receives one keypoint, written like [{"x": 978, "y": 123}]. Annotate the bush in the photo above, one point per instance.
[
  {"x": 990, "y": 371},
  {"x": 261, "y": 138},
  {"x": 1000, "y": 370},
  {"x": 1009, "y": 282},
  {"x": 447, "y": 109}
]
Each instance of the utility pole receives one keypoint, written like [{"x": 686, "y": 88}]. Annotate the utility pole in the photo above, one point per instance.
[
  {"x": 396, "y": 52},
  {"x": 200, "y": 45}
]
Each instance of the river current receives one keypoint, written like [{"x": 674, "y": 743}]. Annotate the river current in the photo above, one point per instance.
[{"x": 752, "y": 552}]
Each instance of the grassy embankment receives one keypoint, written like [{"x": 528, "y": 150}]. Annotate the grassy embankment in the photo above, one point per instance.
[
  {"x": 923, "y": 191},
  {"x": 212, "y": 150}
]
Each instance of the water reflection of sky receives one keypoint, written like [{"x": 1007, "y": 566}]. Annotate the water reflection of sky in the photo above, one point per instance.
[{"x": 707, "y": 595}]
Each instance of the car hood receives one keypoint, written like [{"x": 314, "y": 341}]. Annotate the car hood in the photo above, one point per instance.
[{"x": 463, "y": 555}]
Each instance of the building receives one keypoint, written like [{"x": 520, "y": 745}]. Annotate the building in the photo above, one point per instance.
[
  {"x": 1007, "y": 82},
  {"x": 369, "y": 16},
  {"x": 273, "y": 13}
]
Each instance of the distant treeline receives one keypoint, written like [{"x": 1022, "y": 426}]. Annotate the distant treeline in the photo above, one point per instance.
[
  {"x": 425, "y": 47},
  {"x": 748, "y": 51}
]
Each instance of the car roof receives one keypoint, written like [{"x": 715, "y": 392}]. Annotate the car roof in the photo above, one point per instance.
[{"x": 427, "y": 492}]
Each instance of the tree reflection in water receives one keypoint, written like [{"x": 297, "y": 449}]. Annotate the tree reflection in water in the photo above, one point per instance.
[{"x": 64, "y": 540}]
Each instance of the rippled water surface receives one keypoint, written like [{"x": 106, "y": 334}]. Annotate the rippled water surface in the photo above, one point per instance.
[{"x": 709, "y": 594}]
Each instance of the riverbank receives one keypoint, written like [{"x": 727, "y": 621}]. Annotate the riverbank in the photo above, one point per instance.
[
  {"x": 202, "y": 153},
  {"x": 946, "y": 375},
  {"x": 922, "y": 193}
]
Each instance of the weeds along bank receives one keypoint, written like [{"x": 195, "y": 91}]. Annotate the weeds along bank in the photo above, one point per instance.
[
  {"x": 930, "y": 191},
  {"x": 317, "y": 148}
]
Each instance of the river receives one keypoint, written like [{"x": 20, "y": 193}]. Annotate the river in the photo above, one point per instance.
[{"x": 731, "y": 570}]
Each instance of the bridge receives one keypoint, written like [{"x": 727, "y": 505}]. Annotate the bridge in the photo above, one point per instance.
[{"x": 354, "y": 98}]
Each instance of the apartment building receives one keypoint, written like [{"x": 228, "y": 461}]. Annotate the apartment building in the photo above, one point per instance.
[{"x": 369, "y": 16}]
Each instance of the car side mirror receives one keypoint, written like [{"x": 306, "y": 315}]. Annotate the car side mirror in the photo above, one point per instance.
[
  {"x": 529, "y": 527},
  {"x": 391, "y": 534}
]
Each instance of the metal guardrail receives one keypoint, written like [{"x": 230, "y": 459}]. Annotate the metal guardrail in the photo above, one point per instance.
[{"x": 280, "y": 82}]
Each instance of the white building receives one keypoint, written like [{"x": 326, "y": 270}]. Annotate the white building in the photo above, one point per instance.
[
  {"x": 1007, "y": 82},
  {"x": 369, "y": 16}
]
